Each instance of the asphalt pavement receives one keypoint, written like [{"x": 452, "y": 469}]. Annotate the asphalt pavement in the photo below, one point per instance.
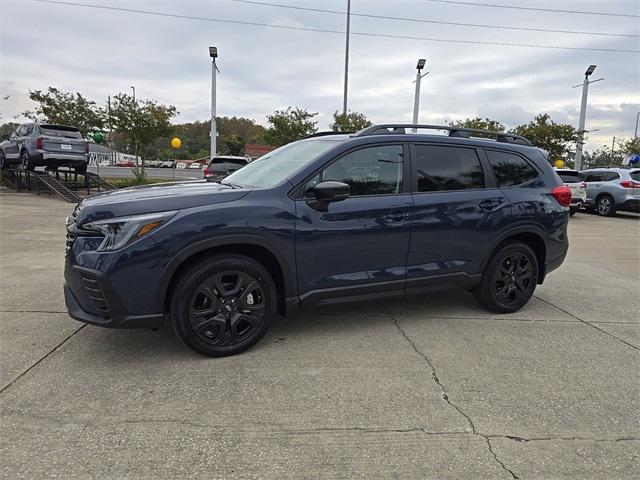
[{"x": 431, "y": 387}]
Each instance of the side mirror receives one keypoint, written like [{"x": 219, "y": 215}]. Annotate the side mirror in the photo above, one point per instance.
[{"x": 331, "y": 191}]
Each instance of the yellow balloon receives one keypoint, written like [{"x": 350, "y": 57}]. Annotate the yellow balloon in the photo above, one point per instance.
[
  {"x": 559, "y": 163},
  {"x": 175, "y": 142}
]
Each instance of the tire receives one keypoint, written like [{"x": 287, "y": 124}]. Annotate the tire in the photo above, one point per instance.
[
  {"x": 509, "y": 280},
  {"x": 216, "y": 323},
  {"x": 3, "y": 161},
  {"x": 572, "y": 211},
  {"x": 26, "y": 162},
  {"x": 605, "y": 206}
]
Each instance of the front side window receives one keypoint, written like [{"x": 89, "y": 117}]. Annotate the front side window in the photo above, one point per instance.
[
  {"x": 369, "y": 171},
  {"x": 510, "y": 169},
  {"x": 440, "y": 168},
  {"x": 635, "y": 175}
]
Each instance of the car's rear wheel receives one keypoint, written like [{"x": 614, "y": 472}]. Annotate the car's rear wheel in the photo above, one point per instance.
[
  {"x": 509, "y": 279},
  {"x": 25, "y": 161},
  {"x": 224, "y": 305},
  {"x": 572, "y": 211},
  {"x": 605, "y": 206}
]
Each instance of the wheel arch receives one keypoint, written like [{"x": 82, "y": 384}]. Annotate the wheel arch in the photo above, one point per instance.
[
  {"x": 250, "y": 245},
  {"x": 530, "y": 235}
]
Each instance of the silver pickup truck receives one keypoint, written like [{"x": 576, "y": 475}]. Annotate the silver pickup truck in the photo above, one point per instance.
[{"x": 42, "y": 145}]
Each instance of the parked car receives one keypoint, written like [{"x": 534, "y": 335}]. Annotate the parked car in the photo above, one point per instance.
[
  {"x": 328, "y": 219},
  {"x": 195, "y": 166},
  {"x": 224, "y": 165},
  {"x": 573, "y": 180},
  {"x": 33, "y": 145},
  {"x": 612, "y": 189},
  {"x": 167, "y": 164}
]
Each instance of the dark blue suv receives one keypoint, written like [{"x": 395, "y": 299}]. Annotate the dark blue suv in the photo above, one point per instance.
[{"x": 381, "y": 213}]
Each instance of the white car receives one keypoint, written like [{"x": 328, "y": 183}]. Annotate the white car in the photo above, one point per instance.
[
  {"x": 195, "y": 166},
  {"x": 578, "y": 187}
]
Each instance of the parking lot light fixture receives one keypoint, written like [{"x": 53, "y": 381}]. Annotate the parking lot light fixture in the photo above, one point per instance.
[
  {"x": 583, "y": 114},
  {"x": 416, "y": 100},
  {"x": 213, "y": 53}
]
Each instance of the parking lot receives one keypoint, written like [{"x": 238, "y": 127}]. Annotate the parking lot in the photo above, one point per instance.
[{"x": 433, "y": 387}]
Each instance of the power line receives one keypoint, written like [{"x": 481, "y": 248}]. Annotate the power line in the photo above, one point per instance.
[
  {"x": 320, "y": 30},
  {"x": 437, "y": 22},
  {"x": 535, "y": 9}
]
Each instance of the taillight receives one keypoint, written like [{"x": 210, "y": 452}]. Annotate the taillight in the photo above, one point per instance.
[
  {"x": 39, "y": 143},
  {"x": 630, "y": 184},
  {"x": 562, "y": 194},
  {"x": 207, "y": 172},
  {"x": 583, "y": 184}
]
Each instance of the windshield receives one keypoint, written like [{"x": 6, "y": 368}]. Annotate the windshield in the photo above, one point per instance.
[{"x": 280, "y": 164}]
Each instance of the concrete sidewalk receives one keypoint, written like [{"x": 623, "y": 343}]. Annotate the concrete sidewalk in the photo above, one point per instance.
[{"x": 433, "y": 387}]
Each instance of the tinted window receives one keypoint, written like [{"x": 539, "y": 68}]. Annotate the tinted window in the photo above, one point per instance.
[
  {"x": 510, "y": 169},
  {"x": 60, "y": 131},
  {"x": 610, "y": 176},
  {"x": 447, "y": 168},
  {"x": 29, "y": 129},
  {"x": 22, "y": 129},
  {"x": 594, "y": 176},
  {"x": 368, "y": 171},
  {"x": 570, "y": 177},
  {"x": 635, "y": 175},
  {"x": 226, "y": 166}
]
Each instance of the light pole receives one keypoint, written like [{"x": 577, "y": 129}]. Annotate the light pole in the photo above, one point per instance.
[
  {"x": 583, "y": 114},
  {"x": 134, "y": 93},
  {"x": 635, "y": 135},
  {"x": 346, "y": 60},
  {"x": 416, "y": 98},
  {"x": 213, "y": 53}
]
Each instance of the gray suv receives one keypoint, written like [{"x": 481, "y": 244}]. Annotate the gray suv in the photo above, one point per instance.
[
  {"x": 612, "y": 189},
  {"x": 33, "y": 145}
]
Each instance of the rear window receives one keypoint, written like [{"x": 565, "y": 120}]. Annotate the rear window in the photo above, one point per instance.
[
  {"x": 635, "y": 175},
  {"x": 226, "y": 166},
  {"x": 60, "y": 131},
  {"x": 510, "y": 169},
  {"x": 570, "y": 177}
]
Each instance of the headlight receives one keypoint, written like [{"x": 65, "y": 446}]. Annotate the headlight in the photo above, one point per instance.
[{"x": 121, "y": 231}]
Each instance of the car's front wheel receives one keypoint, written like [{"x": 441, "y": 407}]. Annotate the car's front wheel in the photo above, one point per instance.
[
  {"x": 509, "y": 279},
  {"x": 224, "y": 305}
]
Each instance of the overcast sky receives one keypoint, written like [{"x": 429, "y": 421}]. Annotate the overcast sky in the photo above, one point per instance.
[{"x": 99, "y": 52}]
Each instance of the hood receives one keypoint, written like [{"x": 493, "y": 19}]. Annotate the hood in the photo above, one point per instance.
[{"x": 158, "y": 197}]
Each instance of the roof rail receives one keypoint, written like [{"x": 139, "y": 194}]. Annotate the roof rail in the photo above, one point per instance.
[
  {"x": 401, "y": 128},
  {"x": 326, "y": 134}
]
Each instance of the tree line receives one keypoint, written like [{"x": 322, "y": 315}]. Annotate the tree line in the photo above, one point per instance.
[{"x": 144, "y": 128}]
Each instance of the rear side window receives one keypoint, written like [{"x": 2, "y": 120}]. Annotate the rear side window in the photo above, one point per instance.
[
  {"x": 510, "y": 169},
  {"x": 60, "y": 131},
  {"x": 594, "y": 176},
  {"x": 570, "y": 177},
  {"x": 610, "y": 176},
  {"x": 29, "y": 130},
  {"x": 440, "y": 168},
  {"x": 635, "y": 175}
]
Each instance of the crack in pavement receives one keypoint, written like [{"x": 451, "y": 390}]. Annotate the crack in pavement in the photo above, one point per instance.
[
  {"x": 446, "y": 398},
  {"x": 42, "y": 358},
  {"x": 570, "y": 439},
  {"x": 588, "y": 323}
]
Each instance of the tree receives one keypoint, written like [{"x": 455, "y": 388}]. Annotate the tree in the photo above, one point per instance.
[
  {"x": 556, "y": 138},
  {"x": 139, "y": 123},
  {"x": 54, "y": 106},
  {"x": 349, "y": 122},
  {"x": 289, "y": 125},
  {"x": 477, "y": 122}
]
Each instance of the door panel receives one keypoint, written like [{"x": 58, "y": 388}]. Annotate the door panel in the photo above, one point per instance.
[{"x": 358, "y": 241}]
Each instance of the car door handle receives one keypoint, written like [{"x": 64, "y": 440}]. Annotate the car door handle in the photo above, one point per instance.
[
  {"x": 397, "y": 216},
  {"x": 490, "y": 205}
]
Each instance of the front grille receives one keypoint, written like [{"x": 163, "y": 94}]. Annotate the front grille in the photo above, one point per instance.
[{"x": 94, "y": 292}]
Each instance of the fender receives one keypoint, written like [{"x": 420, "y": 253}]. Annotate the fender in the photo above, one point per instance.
[
  {"x": 510, "y": 232},
  {"x": 224, "y": 241}
]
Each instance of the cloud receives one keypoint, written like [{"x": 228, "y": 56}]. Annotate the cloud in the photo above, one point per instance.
[{"x": 101, "y": 52}]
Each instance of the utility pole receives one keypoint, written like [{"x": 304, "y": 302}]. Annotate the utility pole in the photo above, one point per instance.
[
  {"x": 213, "y": 53},
  {"x": 613, "y": 143},
  {"x": 416, "y": 98},
  {"x": 134, "y": 93},
  {"x": 583, "y": 115},
  {"x": 346, "y": 60},
  {"x": 635, "y": 135}
]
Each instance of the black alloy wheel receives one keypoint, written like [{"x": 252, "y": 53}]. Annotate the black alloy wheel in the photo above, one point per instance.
[
  {"x": 224, "y": 305},
  {"x": 509, "y": 280}
]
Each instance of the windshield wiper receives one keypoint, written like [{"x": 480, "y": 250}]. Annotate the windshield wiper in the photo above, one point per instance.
[{"x": 232, "y": 185}]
